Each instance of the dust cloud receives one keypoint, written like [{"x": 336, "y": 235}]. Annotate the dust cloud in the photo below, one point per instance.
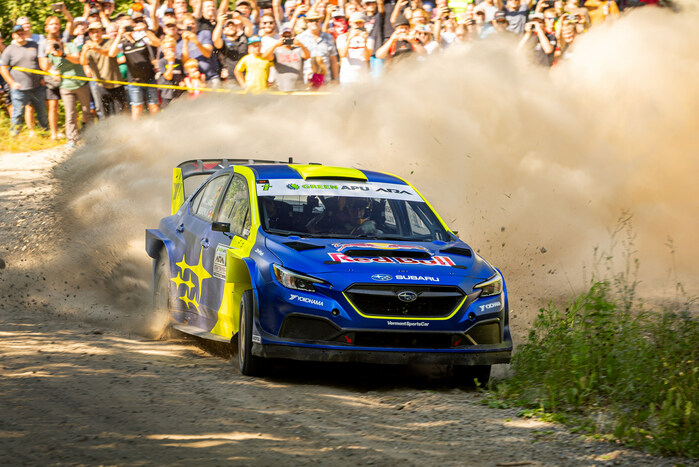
[{"x": 532, "y": 167}]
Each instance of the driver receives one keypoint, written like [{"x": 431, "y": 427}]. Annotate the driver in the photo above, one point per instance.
[{"x": 353, "y": 219}]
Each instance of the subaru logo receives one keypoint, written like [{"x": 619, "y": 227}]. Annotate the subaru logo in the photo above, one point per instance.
[
  {"x": 382, "y": 277},
  {"x": 407, "y": 296}
]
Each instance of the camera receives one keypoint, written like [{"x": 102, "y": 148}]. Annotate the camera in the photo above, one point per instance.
[
  {"x": 57, "y": 7},
  {"x": 229, "y": 16},
  {"x": 571, "y": 17},
  {"x": 56, "y": 46},
  {"x": 288, "y": 41},
  {"x": 128, "y": 28},
  {"x": 531, "y": 27},
  {"x": 190, "y": 28}
]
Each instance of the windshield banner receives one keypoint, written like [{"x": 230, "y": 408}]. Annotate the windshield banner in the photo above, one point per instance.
[{"x": 297, "y": 187}]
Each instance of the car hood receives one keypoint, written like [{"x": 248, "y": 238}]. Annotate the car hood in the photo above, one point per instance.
[{"x": 381, "y": 260}]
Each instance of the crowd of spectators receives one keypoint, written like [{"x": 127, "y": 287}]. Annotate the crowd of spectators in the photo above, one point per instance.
[{"x": 138, "y": 57}]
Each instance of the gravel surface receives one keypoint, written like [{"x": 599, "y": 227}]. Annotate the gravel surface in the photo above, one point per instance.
[{"x": 79, "y": 390}]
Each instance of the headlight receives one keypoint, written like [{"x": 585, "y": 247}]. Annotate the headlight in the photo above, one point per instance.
[
  {"x": 294, "y": 280},
  {"x": 493, "y": 286}
]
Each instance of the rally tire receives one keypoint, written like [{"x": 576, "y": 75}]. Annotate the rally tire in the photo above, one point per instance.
[
  {"x": 160, "y": 326},
  {"x": 468, "y": 375},
  {"x": 249, "y": 364}
]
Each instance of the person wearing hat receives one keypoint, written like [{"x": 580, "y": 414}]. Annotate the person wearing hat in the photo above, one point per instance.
[
  {"x": 496, "y": 26},
  {"x": 402, "y": 44},
  {"x": 198, "y": 44},
  {"x": 424, "y": 35},
  {"x": 25, "y": 88},
  {"x": 231, "y": 42},
  {"x": 110, "y": 98},
  {"x": 319, "y": 44},
  {"x": 355, "y": 51},
  {"x": 538, "y": 39},
  {"x": 65, "y": 60},
  {"x": 287, "y": 55},
  {"x": 252, "y": 71},
  {"x": 339, "y": 22}
]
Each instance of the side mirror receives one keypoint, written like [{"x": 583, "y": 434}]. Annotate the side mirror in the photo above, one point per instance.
[{"x": 221, "y": 227}]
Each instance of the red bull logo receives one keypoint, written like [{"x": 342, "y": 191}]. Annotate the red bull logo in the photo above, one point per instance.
[{"x": 434, "y": 261}]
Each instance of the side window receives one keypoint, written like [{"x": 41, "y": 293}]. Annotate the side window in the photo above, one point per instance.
[
  {"x": 416, "y": 224},
  {"x": 235, "y": 209},
  {"x": 209, "y": 198}
]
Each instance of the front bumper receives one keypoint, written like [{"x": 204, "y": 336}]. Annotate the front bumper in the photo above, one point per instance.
[{"x": 485, "y": 355}]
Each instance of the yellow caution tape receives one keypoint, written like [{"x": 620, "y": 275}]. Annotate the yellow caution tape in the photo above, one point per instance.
[{"x": 161, "y": 86}]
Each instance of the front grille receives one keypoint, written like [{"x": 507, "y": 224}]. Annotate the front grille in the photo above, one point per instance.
[{"x": 382, "y": 300}]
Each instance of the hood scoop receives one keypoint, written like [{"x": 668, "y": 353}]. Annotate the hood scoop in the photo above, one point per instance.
[
  {"x": 303, "y": 246},
  {"x": 367, "y": 253},
  {"x": 455, "y": 250}
]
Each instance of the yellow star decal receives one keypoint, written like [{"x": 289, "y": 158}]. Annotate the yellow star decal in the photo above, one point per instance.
[
  {"x": 178, "y": 281},
  {"x": 188, "y": 302},
  {"x": 198, "y": 271}
]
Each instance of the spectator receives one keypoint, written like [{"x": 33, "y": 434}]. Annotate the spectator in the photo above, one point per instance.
[
  {"x": 206, "y": 20},
  {"x": 402, "y": 44},
  {"x": 497, "y": 26},
  {"x": 170, "y": 72},
  {"x": 52, "y": 28},
  {"x": 288, "y": 55},
  {"x": 25, "y": 88},
  {"x": 568, "y": 33},
  {"x": 355, "y": 51},
  {"x": 110, "y": 99},
  {"x": 268, "y": 33},
  {"x": 373, "y": 23},
  {"x": 78, "y": 33},
  {"x": 424, "y": 35},
  {"x": 252, "y": 71},
  {"x": 601, "y": 10},
  {"x": 444, "y": 29},
  {"x": 138, "y": 44},
  {"x": 26, "y": 24},
  {"x": 339, "y": 22},
  {"x": 66, "y": 61},
  {"x": 320, "y": 44},
  {"x": 194, "y": 80},
  {"x": 489, "y": 7},
  {"x": 318, "y": 72},
  {"x": 539, "y": 38},
  {"x": 230, "y": 39},
  {"x": 516, "y": 13},
  {"x": 200, "y": 46}
]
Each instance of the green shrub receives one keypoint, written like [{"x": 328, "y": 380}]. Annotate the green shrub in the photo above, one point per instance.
[{"x": 614, "y": 368}]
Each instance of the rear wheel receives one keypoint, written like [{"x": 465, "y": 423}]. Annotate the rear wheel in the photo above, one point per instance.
[
  {"x": 467, "y": 375},
  {"x": 250, "y": 365},
  {"x": 159, "y": 326}
]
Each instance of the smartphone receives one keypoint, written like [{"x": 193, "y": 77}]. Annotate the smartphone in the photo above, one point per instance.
[
  {"x": 57, "y": 7},
  {"x": 229, "y": 16},
  {"x": 128, "y": 28}
]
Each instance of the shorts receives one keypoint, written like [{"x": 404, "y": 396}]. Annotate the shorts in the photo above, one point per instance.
[
  {"x": 138, "y": 95},
  {"x": 53, "y": 93}
]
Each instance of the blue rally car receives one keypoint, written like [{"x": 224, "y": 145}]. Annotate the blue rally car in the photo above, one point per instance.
[{"x": 319, "y": 263}]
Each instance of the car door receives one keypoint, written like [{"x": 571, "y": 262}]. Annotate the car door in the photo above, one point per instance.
[
  {"x": 195, "y": 268},
  {"x": 234, "y": 211}
]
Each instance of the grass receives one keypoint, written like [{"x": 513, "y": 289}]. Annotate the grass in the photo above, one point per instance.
[
  {"x": 608, "y": 366},
  {"x": 23, "y": 142}
]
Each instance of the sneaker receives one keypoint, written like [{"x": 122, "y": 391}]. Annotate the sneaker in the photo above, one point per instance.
[
  {"x": 70, "y": 144},
  {"x": 14, "y": 132}
]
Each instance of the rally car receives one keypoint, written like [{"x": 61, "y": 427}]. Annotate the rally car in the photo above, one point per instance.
[{"x": 309, "y": 262}]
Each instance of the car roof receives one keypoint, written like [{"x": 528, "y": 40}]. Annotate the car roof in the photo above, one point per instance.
[{"x": 317, "y": 171}]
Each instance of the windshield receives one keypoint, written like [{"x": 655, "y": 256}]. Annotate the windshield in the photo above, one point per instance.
[{"x": 350, "y": 217}]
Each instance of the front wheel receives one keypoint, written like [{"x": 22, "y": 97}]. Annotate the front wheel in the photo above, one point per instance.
[
  {"x": 250, "y": 365},
  {"x": 468, "y": 375}
]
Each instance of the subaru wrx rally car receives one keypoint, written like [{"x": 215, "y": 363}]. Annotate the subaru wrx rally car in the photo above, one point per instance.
[{"x": 310, "y": 262}]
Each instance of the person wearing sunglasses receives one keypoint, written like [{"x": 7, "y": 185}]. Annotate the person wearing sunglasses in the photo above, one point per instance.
[
  {"x": 539, "y": 38},
  {"x": 320, "y": 44}
]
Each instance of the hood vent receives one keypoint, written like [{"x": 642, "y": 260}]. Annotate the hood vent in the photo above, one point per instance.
[
  {"x": 455, "y": 250},
  {"x": 366, "y": 253},
  {"x": 302, "y": 246}
]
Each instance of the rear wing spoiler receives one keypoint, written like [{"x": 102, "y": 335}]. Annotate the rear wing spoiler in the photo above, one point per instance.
[{"x": 194, "y": 167}]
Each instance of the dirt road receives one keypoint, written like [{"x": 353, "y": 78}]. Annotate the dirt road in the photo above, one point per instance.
[{"x": 75, "y": 389}]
